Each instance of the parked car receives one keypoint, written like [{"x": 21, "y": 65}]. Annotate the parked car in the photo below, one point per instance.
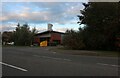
[{"x": 10, "y": 43}]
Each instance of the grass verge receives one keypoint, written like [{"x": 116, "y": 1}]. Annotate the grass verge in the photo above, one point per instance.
[{"x": 85, "y": 52}]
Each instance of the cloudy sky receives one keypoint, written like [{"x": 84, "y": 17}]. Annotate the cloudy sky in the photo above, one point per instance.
[{"x": 63, "y": 15}]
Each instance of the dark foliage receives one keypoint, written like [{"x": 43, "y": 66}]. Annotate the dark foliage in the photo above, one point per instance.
[{"x": 102, "y": 27}]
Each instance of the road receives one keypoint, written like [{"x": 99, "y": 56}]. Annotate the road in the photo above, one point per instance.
[{"x": 32, "y": 61}]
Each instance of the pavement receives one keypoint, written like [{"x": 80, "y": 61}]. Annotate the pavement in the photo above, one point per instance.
[{"x": 39, "y": 61}]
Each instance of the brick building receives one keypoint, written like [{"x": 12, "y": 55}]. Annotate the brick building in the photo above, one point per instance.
[{"x": 52, "y": 37}]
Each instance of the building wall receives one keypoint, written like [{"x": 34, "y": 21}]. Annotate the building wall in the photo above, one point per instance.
[
  {"x": 55, "y": 36},
  {"x": 36, "y": 40},
  {"x": 50, "y": 37},
  {"x": 45, "y": 35}
]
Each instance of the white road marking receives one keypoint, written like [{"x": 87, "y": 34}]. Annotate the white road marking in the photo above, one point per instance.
[
  {"x": 54, "y": 52},
  {"x": 115, "y": 65},
  {"x": 108, "y": 64},
  {"x": 52, "y": 58},
  {"x": 13, "y": 66},
  {"x": 102, "y": 64},
  {"x": 67, "y": 59}
]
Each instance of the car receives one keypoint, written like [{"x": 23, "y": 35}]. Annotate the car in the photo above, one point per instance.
[{"x": 10, "y": 43}]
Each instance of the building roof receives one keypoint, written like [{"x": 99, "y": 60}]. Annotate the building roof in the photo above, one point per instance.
[{"x": 46, "y": 32}]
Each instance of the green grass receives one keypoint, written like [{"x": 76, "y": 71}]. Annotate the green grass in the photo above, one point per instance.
[{"x": 86, "y": 52}]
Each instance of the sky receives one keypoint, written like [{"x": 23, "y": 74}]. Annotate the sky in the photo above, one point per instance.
[{"x": 63, "y": 15}]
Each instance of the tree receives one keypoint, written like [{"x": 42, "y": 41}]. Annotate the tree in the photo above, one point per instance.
[
  {"x": 23, "y": 36},
  {"x": 7, "y": 37},
  {"x": 33, "y": 32},
  {"x": 102, "y": 24},
  {"x": 73, "y": 40}
]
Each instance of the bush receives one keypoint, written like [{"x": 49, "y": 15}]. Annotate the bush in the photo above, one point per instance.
[{"x": 73, "y": 40}]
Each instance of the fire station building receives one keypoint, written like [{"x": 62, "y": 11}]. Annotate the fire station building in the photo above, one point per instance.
[{"x": 52, "y": 37}]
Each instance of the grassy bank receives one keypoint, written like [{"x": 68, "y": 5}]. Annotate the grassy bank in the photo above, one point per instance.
[{"x": 85, "y": 52}]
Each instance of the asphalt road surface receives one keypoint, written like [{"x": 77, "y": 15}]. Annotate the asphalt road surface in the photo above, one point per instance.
[{"x": 32, "y": 61}]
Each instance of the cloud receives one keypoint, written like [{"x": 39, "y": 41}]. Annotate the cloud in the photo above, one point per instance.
[
  {"x": 48, "y": 0},
  {"x": 61, "y": 29},
  {"x": 59, "y": 0},
  {"x": 40, "y": 12},
  {"x": 7, "y": 27},
  {"x": 32, "y": 17},
  {"x": 3, "y": 18},
  {"x": 56, "y": 12}
]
